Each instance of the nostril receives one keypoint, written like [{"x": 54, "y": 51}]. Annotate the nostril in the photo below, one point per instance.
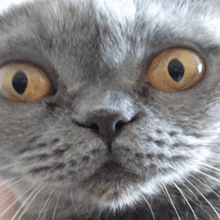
[
  {"x": 119, "y": 125},
  {"x": 94, "y": 127}
]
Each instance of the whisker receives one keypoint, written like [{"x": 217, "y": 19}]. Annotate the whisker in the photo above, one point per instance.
[
  {"x": 203, "y": 145},
  {"x": 4, "y": 182},
  {"x": 204, "y": 198},
  {"x": 45, "y": 213},
  {"x": 171, "y": 201},
  {"x": 45, "y": 204},
  {"x": 71, "y": 196},
  {"x": 149, "y": 206},
  {"x": 8, "y": 197},
  {"x": 13, "y": 203},
  {"x": 10, "y": 165},
  {"x": 208, "y": 176},
  {"x": 9, "y": 184},
  {"x": 34, "y": 197},
  {"x": 214, "y": 168},
  {"x": 76, "y": 208},
  {"x": 207, "y": 186},
  {"x": 213, "y": 160},
  {"x": 191, "y": 192},
  {"x": 26, "y": 200},
  {"x": 186, "y": 200},
  {"x": 55, "y": 208}
]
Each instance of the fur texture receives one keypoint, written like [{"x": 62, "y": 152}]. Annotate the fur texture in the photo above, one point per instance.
[{"x": 163, "y": 162}]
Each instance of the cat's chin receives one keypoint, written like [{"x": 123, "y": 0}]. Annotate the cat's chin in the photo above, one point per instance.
[{"x": 110, "y": 183}]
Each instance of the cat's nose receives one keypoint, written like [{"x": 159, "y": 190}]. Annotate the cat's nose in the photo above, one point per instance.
[{"x": 106, "y": 124}]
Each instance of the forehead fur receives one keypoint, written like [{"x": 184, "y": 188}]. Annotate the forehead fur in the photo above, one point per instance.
[{"x": 126, "y": 28}]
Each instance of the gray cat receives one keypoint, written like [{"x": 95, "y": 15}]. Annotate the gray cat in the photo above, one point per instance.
[{"x": 109, "y": 110}]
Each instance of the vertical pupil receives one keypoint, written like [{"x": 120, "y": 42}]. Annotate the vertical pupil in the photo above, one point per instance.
[
  {"x": 176, "y": 69},
  {"x": 19, "y": 82}
]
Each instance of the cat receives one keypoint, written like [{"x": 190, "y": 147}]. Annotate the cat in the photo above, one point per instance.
[{"x": 109, "y": 110}]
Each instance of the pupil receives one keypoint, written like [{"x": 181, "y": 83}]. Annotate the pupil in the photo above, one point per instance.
[
  {"x": 176, "y": 69},
  {"x": 19, "y": 82}
]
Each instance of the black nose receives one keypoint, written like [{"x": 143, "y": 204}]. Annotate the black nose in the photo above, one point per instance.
[{"x": 106, "y": 124}]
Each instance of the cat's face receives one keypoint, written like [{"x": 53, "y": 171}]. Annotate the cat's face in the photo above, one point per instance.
[{"x": 102, "y": 138}]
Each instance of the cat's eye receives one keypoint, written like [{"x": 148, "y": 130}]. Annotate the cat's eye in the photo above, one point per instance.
[
  {"x": 175, "y": 69},
  {"x": 23, "y": 82}
]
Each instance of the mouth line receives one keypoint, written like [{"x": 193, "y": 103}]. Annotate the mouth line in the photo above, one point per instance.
[
  {"x": 112, "y": 172},
  {"x": 109, "y": 182}
]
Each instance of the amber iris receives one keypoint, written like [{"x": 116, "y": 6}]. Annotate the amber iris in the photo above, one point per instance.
[
  {"x": 175, "y": 69},
  {"x": 23, "y": 82}
]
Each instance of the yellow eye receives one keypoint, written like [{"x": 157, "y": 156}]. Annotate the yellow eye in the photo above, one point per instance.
[
  {"x": 23, "y": 82},
  {"x": 175, "y": 69}
]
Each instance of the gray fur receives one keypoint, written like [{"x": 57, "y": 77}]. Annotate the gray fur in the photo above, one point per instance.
[{"x": 93, "y": 54}]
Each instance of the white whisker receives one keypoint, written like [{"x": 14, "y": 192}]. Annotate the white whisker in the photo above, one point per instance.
[
  {"x": 186, "y": 200},
  {"x": 71, "y": 196},
  {"x": 209, "y": 176},
  {"x": 204, "y": 198},
  {"x": 214, "y": 168},
  {"x": 207, "y": 186},
  {"x": 213, "y": 160},
  {"x": 34, "y": 197},
  {"x": 171, "y": 201},
  {"x": 8, "y": 197},
  {"x": 191, "y": 192},
  {"x": 55, "y": 208},
  {"x": 45, "y": 213},
  {"x": 26, "y": 200},
  {"x": 45, "y": 204},
  {"x": 149, "y": 206},
  {"x": 13, "y": 203},
  {"x": 4, "y": 182},
  {"x": 76, "y": 208},
  {"x": 9, "y": 184},
  {"x": 10, "y": 165}
]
